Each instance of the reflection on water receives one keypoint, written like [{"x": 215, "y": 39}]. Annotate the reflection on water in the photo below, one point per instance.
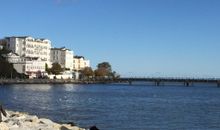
[
  {"x": 119, "y": 107},
  {"x": 32, "y": 87}
]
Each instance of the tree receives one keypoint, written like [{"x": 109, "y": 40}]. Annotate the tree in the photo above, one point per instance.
[
  {"x": 87, "y": 72},
  {"x": 56, "y": 68},
  {"x": 115, "y": 75},
  {"x": 105, "y": 65},
  {"x": 47, "y": 69},
  {"x": 103, "y": 70},
  {"x": 6, "y": 69}
]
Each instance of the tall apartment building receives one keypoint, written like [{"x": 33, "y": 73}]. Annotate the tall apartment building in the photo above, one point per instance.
[
  {"x": 62, "y": 56},
  {"x": 80, "y": 63},
  {"x": 30, "y": 47},
  {"x": 34, "y": 54}
]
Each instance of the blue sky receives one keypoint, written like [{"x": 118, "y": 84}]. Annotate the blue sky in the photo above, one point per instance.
[{"x": 175, "y": 38}]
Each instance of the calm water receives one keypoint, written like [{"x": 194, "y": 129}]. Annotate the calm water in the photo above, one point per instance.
[{"x": 119, "y": 107}]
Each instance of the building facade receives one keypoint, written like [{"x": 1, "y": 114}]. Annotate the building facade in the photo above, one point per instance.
[
  {"x": 80, "y": 63},
  {"x": 29, "y": 55},
  {"x": 30, "y": 47},
  {"x": 62, "y": 56}
]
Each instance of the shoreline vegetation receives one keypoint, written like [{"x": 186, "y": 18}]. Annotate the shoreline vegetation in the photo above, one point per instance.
[{"x": 24, "y": 121}]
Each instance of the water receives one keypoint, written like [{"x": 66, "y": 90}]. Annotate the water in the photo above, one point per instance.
[{"x": 119, "y": 107}]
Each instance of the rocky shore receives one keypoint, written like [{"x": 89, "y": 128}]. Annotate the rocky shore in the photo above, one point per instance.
[{"x": 23, "y": 121}]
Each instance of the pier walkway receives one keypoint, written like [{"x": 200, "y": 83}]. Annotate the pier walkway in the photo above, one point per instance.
[{"x": 161, "y": 81}]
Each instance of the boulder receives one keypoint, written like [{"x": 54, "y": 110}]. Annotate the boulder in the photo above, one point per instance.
[
  {"x": 46, "y": 121},
  {"x": 3, "y": 126}
]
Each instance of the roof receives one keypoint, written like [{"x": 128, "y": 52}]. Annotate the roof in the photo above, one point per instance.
[
  {"x": 78, "y": 57},
  {"x": 24, "y": 37},
  {"x": 62, "y": 49}
]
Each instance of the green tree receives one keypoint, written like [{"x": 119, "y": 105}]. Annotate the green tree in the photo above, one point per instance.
[
  {"x": 87, "y": 72},
  {"x": 56, "y": 68},
  {"x": 47, "y": 69}
]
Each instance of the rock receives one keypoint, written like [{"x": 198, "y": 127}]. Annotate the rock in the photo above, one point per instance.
[
  {"x": 64, "y": 128},
  {"x": 46, "y": 121},
  {"x": 71, "y": 123},
  {"x": 3, "y": 126},
  {"x": 32, "y": 119},
  {"x": 23, "y": 121},
  {"x": 93, "y": 128}
]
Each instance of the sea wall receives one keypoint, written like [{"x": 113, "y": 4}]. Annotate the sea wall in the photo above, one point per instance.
[{"x": 23, "y": 121}]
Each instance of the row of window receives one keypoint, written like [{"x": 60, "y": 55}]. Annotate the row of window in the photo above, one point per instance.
[
  {"x": 36, "y": 52},
  {"x": 36, "y": 46},
  {"x": 35, "y": 67}
]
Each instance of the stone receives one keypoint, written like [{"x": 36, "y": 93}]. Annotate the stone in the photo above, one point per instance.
[
  {"x": 93, "y": 128},
  {"x": 23, "y": 121},
  {"x": 32, "y": 119},
  {"x": 3, "y": 126},
  {"x": 45, "y": 121}
]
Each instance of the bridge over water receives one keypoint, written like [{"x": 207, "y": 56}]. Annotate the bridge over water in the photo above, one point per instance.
[{"x": 162, "y": 81}]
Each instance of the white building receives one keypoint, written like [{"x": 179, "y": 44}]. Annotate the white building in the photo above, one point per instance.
[
  {"x": 62, "y": 56},
  {"x": 80, "y": 63},
  {"x": 30, "y": 47},
  {"x": 32, "y": 66},
  {"x": 31, "y": 53},
  {"x": 12, "y": 57}
]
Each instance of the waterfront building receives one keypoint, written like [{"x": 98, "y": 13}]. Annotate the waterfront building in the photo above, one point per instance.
[
  {"x": 62, "y": 56},
  {"x": 33, "y": 54},
  {"x": 34, "y": 67},
  {"x": 31, "y": 66},
  {"x": 30, "y": 47},
  {"x": 63, "y": 75},
  {"x": 12, "y": 57},
  {"x": 80, "y": 63}
]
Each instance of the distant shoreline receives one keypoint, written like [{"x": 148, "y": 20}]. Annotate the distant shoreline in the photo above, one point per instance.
[{"x": 49, "y": 81}]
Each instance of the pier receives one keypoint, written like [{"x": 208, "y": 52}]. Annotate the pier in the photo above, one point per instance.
[{"x": 161, "y": 81}]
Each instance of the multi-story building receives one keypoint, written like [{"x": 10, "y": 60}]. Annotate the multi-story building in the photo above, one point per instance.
[
  {"x": 33, "y": 54},
  {"x": 34, "y": 67},
  {"x": 80, "y": 63},
  {"x": 30, "y": 47},
  {"x": 62, "y": 56}
]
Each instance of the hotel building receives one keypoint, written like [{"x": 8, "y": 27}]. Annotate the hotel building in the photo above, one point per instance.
[
  {"x": 62, "y": 56},
  {"x": 80, "y": 63},
  {"x": 33, "y": 53}
]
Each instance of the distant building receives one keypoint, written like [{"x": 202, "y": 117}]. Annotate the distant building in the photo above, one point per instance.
[
  {"x": 29, "y": 55},
  {"x": 80, "y": 63},
  {"x": 12, "y": 57},
  {"x": 62, "y": 56},
  {"x": 30, "y": 47},
  {"x": 32, "y": 66}
]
